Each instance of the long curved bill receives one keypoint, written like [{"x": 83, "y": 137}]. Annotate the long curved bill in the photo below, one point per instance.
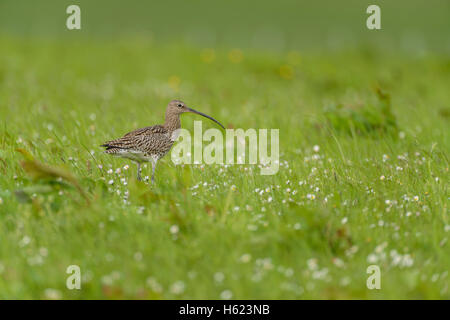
[{"x": 206, "y": 116}]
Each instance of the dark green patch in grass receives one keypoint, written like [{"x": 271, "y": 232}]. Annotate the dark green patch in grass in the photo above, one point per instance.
[{"x": 375, "y": 119}]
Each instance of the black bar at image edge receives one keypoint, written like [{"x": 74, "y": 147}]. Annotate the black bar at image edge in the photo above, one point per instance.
[{"x": 218, "y": 309}]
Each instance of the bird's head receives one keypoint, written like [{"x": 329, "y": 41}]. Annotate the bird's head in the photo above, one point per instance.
[{"x": 176, "y": 107}]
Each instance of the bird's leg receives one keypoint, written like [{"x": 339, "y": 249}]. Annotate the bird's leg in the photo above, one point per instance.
[
  {"x": 153, "y": 170},
  {"x": 139, "y": 171}
]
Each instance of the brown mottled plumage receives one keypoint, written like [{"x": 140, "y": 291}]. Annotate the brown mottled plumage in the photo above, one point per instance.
[{"x": 151, "y": 143}]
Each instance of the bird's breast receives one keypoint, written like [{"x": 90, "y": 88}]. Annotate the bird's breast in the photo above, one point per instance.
[{"x": 173, "y": 136}]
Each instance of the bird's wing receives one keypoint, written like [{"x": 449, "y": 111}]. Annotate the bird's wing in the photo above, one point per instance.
[
  {"x": 153, "y": 143},
  {"x": 149, "y": 140},
  {"x": 147, "y": 130}
]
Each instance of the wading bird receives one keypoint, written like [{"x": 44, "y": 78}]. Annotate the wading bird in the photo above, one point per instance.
[{"x": 150, "y": 144}]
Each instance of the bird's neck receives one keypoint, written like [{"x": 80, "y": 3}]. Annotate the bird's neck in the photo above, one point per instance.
[{"x": 172, "y": 122}]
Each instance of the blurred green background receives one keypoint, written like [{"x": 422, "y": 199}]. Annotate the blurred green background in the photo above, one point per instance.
[
  {"x": 363, "y": 175},
  {"x": 415, "y": 26}
]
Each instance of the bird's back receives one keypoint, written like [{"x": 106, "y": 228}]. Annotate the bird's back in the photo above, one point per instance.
[{"x": 149, "y": 141}]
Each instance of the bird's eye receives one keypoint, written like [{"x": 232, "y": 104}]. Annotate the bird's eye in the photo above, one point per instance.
[{"x": 180, "y": 105}]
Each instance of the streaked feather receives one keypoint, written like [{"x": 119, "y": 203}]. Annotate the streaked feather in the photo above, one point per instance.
[{"x": 149, "y": 142}]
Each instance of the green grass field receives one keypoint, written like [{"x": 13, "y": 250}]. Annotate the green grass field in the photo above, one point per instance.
[{"x": 363, "y": 175}]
